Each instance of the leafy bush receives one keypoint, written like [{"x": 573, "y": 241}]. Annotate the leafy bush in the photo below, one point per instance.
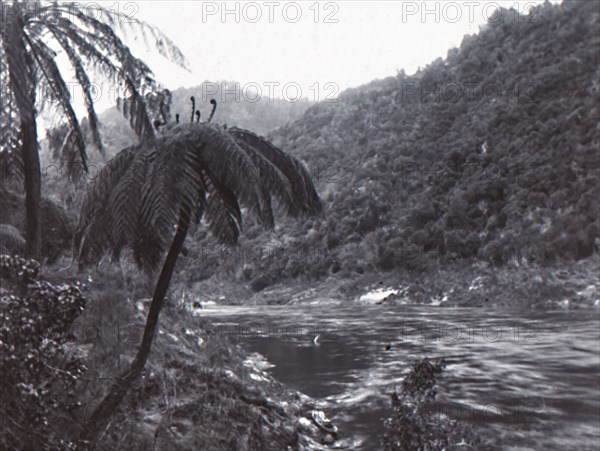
[
  {"x": 57, "y": 225},
  {"x": 37, "y": 365},
  {"x": 413, "y": 425}
]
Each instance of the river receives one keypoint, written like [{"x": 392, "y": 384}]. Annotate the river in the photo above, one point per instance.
[{"x": 520, "y": 379}]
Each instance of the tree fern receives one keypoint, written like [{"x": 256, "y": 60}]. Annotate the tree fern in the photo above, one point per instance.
[
  {"x": 149, "y": 196},
  {"x": 205, "y": 168},
  {"x": 31, "y": 36}
]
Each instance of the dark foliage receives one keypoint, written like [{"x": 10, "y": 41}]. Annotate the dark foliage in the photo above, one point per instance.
[
  {"x": 413, "y": 425},
  {"x": 57, "y": 223},
  {"x": 38, "y": 366},
  {"x": 208, "y": 170},
  {"x": 489, "y": 155}
]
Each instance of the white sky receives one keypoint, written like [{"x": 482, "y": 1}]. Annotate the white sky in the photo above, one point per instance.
[{"x": 347, "y": 44}]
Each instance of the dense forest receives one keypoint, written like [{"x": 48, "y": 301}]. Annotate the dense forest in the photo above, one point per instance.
[
  {"x": 489, "y": 155},
  {"x": 477, "y": 164}
]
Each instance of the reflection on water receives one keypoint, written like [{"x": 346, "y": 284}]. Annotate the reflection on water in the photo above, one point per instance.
[{"x": 525, "y": 380}]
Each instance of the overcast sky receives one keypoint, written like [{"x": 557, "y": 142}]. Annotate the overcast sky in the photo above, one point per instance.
[
  {"x": 312, "y": 49},
  {"x": 344, "y": 42}
]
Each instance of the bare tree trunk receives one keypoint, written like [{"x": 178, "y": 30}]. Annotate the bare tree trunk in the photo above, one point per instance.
[
  {"x": 100, "y": 418},
  {"x": 22, "y": 83}
]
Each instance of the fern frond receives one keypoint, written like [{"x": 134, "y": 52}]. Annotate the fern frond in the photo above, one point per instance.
[
  {"x": 10, "y": 139},
  {"x": 304, "y": 196},
  {"x": 20, "y": 67},
  {"x": 134, "y": 109},
  {"x": 82, "y": 42},
  {"x": 86, "y": 86},
  {"x": 94, "y": 214},
  {"x": 223, "y": 215},
  {"x": 274, "y": 182},
  {"x": 124, "y": 204},
  {"x": 160, "y": 193},
  {"x": 228, "y": 164},
  {"x": 200, "y": 169},
  {"x": 106, "y": 22},
  {"x": 46, "y": 62}
]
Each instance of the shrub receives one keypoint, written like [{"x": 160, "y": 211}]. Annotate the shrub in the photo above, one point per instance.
[
  {"x": 11, "y": 240},
  {"x": 413, "y": 425},
  {"x": 38, "y": 368}
]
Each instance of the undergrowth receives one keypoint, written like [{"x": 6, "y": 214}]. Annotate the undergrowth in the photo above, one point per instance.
[{"x": 413, "y": 425}]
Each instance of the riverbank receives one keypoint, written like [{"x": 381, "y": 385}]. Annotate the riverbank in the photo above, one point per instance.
[
  {"x": 564, "y": 285},
  {"x": 199, "y": 390}
]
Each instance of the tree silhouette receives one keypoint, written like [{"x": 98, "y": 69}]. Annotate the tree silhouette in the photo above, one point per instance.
[
  {"x": 151, "y": 194},
  {"x": 31, "y": 35}
]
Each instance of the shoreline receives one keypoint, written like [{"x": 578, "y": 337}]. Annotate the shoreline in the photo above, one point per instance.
[{"x": 560, "y": 286}]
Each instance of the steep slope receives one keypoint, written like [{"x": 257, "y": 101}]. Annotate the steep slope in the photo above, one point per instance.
[
  {"x": 497, "y": 144},
  {"x": 490, "y": 154}
]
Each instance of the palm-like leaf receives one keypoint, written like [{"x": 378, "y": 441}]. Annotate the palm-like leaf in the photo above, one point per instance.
[
  {"x": 90, "y": 41},
  {"x": 31, "y": 34},
  {"x": 281, "y": 165},
  {"x": 137, "y": 199}
]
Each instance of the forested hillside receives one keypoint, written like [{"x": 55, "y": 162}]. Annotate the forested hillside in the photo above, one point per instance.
[
  {"x": 490, "y": 154},
  {"x": 239, "y": 105}
]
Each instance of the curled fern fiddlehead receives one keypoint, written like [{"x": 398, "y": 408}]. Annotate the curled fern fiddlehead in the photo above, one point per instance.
[
  {"x": 212, "y": 113},
  {"x": 193, "y": 100}
]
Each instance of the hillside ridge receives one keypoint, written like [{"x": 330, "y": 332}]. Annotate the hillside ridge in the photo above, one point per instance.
[{"x": 488, "y": 155}]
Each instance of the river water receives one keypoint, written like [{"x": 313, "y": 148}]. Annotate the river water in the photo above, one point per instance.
[{"x": 521, "y": 379}]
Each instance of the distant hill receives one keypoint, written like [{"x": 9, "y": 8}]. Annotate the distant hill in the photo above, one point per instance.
[
  {"x": 239, "y": 105},
  {"x": 236, "y": 106},
  {"x": 491, "y": 154}
]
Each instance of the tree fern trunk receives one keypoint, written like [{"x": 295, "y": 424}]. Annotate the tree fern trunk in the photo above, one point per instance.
[
  {"x": 33, "y": 191},
  {"x": 99, "y": 420},
  {"x": 22, "y": 82}
]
